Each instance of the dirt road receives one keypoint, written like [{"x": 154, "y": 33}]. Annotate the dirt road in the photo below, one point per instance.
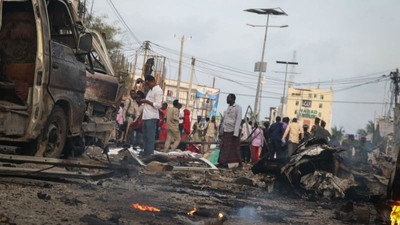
[{"x": 240, "y": 195}]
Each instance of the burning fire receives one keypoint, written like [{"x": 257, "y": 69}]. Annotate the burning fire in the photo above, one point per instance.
[
  {"x": 191, "y": 212},
  {"x": 220, "y": 215},
  {"x": 395, "y": 214},
  {"x": 144, "y": 207}
]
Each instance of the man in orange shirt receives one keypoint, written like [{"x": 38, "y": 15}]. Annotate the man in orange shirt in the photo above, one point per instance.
[{"x": 294, "y": 131}]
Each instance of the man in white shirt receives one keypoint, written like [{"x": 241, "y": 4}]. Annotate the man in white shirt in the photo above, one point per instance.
[
  {"x": 152, "y": 104},
  {"x": 181, "y": 117},
  {"x": 230, "y": 143}
]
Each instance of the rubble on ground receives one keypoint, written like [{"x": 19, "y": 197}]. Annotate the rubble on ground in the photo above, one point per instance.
[
  {"x": 320, "y": 169},
  {"x": 244, "y": 197}
]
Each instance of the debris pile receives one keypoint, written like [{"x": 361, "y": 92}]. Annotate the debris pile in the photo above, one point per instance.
[
  {"x": 315, "y": 166},
  {"x": 321, "y": 170}
]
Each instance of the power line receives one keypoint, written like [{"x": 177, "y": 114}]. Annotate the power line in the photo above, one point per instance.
[
  {"x": 346, "y": 102},
  {"x": 121, "y": 19}
]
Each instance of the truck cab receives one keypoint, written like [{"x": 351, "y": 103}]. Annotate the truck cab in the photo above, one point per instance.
[{"x": 56, "y": 81}]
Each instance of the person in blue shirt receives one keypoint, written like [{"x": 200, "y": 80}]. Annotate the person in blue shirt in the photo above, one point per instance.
[{"x": 276, "y": 132}]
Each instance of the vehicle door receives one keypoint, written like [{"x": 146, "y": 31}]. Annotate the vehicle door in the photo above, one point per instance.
[{"x": 67, "y": 74}]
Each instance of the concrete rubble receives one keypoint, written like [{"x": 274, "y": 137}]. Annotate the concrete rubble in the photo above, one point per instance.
[{"x": 244, "y": 197}]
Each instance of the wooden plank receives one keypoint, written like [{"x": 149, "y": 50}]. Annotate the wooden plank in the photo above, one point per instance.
[
  {"x": 18, "y": 171},
  {"x": 55, "y": 162}
]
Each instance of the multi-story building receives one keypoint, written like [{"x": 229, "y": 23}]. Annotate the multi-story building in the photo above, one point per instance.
[{"x": 306, "y": 104}]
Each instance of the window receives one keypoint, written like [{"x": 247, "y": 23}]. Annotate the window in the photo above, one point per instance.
[
  {"x": 315, "y": 95},
  {"x": 310, "y": 95},
  {"x": 169, "y": 93},
  {"x": 320, "y": 105},
  {"x": 295, "y": 111},
  {"x": 297, "y": 102},
  {"x": 322, "y": 96},
  {"x": 61, "y": 28}
]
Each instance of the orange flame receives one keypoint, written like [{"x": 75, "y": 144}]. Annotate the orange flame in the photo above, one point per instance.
[
  {"x": 144, "y": 207},
  {"x": 191, "y": 212},
  {"x": 220, "y": 215},
  {"x": 395, "y": 214}
]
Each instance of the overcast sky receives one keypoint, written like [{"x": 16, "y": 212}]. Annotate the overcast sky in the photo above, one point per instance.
[{"x": 333, "y": 40}]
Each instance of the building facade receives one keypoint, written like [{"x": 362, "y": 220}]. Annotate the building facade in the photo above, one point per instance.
[{"x": 306, "y": 104}]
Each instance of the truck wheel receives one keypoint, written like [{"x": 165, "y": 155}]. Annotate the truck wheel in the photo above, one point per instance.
[{"x": 51, "y": 142}]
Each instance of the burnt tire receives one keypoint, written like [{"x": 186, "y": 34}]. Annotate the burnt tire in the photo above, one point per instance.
[{"x": 52, "y": 140}]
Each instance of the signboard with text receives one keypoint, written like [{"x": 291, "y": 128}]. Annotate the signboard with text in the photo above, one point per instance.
[
  {"x": 306, "y": 103},
  {"x": 307, "y": 113}
]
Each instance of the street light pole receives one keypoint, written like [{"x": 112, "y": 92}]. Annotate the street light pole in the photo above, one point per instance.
[
  {"x": 273, "y": 11},
  {"x": 260, "y": 73},
  {"x": 284, "y": 86}
]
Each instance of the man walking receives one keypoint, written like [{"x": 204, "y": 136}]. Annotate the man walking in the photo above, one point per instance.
[
  {"x": 196, "y": 129},
  {"x": 245, "y": 143},
  {"x": 209, "y": 133},
  {"x": 293, "y": 130},
  {"x": 276, "y": 132},
  {"x": 128, "y": 115},
  {"x": 152, "y": 104},
  {"x": 230, "y": 143},
  {"x": 324, "y": 132},
  {"x": 173, "y": 133},
  {"x": 316, "y": 129}
]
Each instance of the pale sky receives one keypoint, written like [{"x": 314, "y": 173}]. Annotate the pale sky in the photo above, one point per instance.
[{"x": 333, "y": 40}]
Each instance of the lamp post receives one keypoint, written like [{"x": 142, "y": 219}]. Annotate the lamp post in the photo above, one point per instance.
[
  {"x": 284, "y": 86},
  {"x": 268, "y": 12}
]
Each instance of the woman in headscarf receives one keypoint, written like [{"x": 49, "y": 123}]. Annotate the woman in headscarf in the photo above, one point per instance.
[{"x": 186, "y": 123}]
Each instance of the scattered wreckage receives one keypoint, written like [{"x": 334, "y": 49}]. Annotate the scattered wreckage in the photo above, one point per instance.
[
  {"x": 320, "y": 169},
  {"x": 98, "y": 165}
]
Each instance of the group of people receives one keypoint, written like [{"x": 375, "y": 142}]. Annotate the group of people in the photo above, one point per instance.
[
  {"x": 243, "y": 142},
  {"x": 144, "y": 118},
  {"x": 138, "y": 117}
]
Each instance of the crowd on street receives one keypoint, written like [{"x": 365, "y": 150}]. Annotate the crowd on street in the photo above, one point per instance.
[{"x": 144, "y": 118}]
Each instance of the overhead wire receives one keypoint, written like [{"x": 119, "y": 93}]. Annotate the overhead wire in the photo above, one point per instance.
[
  {"x": 317, "y": 100},
  {"x": 121, "y": 19}
]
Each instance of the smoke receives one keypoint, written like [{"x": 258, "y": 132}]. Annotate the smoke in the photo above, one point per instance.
[{"x": 248, "y": 213}]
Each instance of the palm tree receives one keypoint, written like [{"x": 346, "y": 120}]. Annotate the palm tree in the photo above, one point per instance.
[
  {"x": 370, "y": 128},
  {"x": 362, "y": 133},
  {"x": 338, "y": 133}
]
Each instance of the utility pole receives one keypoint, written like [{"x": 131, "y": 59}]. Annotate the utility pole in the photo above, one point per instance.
[
  {"x": 190, "y": 84},
  {"x": 146, "y": 48},
  {"x": 284, "y": 86},
  {"x": 213, "y": 82},
  {"x": 396, "y": 137},
  {"x": 180, "y": 65},
  {"x": 163, "y": 75},
  {"x": 393, "y": 186}
]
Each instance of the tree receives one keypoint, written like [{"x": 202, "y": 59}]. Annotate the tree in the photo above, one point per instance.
[
  {"x": 108, "y": 32},
  {"x": 338, "y": 133},
  {"x": 370, "y": 128},
  {"x": 362, "y": 132}
]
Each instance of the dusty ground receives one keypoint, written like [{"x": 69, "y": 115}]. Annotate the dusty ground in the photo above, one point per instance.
[{"x": 62, "y": 201}]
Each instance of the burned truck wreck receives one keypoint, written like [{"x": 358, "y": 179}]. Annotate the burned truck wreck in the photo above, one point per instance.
[{"x": 57, "y": 86}]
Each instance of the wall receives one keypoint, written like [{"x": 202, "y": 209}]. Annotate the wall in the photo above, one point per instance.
[{"x": 306, "y": 104}]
